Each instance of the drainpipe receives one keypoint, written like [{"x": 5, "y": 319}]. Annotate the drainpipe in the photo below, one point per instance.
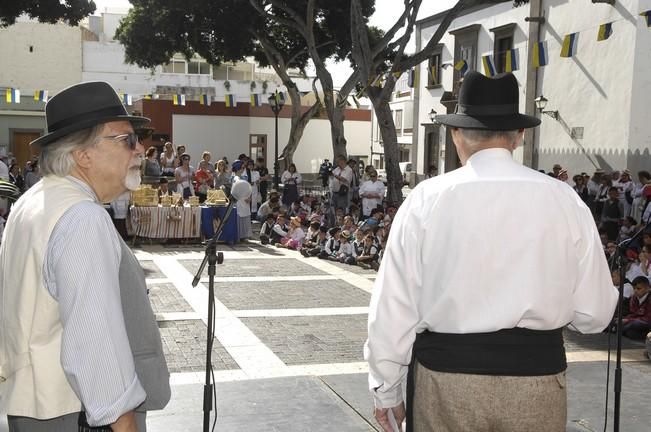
[{"x": 531, "y": 86}]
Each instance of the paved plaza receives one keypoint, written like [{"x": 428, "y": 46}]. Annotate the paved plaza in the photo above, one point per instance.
[{"x": 288, "y": 349}]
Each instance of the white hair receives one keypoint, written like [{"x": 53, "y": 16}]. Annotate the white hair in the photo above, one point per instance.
[
  {"x": 56, "y": 158},
  {"x": 477, "y": 136}
]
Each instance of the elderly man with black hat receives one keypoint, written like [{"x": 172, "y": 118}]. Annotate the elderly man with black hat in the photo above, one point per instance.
[
  {"x": 79, "y": 344},
  {"x": 484, "y": 267}
]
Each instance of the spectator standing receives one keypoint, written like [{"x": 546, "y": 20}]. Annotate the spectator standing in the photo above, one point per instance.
[
  {"x": 581, "y": 188},
  {"x": 341, "y": 178},
  {"x": 206, "y": 157},
  {"x": 204, "y": 180},
  {"x": 222, "y": 177},
  {"x": 120, "y": 208},
  {"x": 353, "y": 192},
  {"x": 168, "y": 160},
  {"x": 184, "y": 175},
  {"x": 33, "y": 176},
  {"x": 151, "y": 166},
  {"x": 626, "y": 189},
  {"x": 372, "y": 193},
  {"x": 255, "y": 188},
  {"x": 290, "y": 180},
  {"x": 263, "y": 172},
  {"x": 612, "y": 214},
  {"x": 15, "y": 177}
]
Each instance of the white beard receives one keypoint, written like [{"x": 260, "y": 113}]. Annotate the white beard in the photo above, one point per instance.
[{"x": 132, "y": 180}]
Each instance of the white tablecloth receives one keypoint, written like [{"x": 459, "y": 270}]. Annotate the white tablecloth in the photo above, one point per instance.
[{"x": 166, "y": 222}]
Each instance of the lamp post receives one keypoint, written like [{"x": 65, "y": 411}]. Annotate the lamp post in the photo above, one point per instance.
[
  {"x": 432, "y": 116},
  {"x": 541, "y": 104},
  {"x": 276, "y": 103}
]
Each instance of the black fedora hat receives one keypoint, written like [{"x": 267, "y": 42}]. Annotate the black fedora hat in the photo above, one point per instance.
[
  {"x": 488, "y": 103},
  {"x": 82, "y": 106}
]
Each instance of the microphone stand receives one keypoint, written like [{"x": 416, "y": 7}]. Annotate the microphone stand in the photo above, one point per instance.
[
  {"x": 621, "y": 254},
  {"x": 212, "y": 258}
]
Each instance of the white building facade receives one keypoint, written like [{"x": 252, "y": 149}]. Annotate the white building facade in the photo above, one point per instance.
[{"x": 596, "y": 111}]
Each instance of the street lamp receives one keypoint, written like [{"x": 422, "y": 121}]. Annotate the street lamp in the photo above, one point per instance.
[
  {"x": 276, "y": 102},
  {"x": 541, "y": 103},
  {"x": 432, "y": 115}
]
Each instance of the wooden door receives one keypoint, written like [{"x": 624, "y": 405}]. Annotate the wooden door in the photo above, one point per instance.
[
  {"x": 21, "y": 148},
  {"x": 258, "y": 147}
]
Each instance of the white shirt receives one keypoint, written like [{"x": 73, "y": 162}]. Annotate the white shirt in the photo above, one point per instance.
[
  {"x": 294, "y": 178},
  {"x": 346, "y": 173},
  {"x": 371, "y": 187},
  {"x": 492, "y": 245}
]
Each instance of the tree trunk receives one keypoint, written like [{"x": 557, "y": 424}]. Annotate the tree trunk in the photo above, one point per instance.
[
  {"x": 391, "y": 148},
  {"x": 336, "y": 117},
  {"x": 299, "y": 122}
]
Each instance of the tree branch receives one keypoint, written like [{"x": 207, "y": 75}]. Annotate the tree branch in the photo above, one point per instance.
[{"x": 388, "y": 36}]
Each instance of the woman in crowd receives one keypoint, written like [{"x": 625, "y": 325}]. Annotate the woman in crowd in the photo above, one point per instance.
[
  {"x": 33, "y": 175},
  {"x": 204, "y": 180},
  {"x": 184, "y": 174},
  {"x": 150, "y": 166},
  {"x": 602, "y": 195},
  {"x": 168, "y": 160},
  {"x": 640, "y": 194},
  {"x": 290, "y": 179},
  {"x": 222, "y": 177},
  {"x": 372, "y": 193}
]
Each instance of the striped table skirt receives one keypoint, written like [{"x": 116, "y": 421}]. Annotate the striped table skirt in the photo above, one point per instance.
[{"x": 165, "y": 222}]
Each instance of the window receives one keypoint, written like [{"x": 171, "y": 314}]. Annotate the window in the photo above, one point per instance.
[
  {"x": 398, "y": 121},
  {"x": 434, "y": 68},
  {"x": 465, "y": 48},
  {"x": 503, "y": 43},
  {"x": 198, "y": 68},
  {"x": 175, "y": 66}
]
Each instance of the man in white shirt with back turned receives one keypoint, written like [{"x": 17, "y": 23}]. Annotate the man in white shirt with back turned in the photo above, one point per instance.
[{"x": 484, "y": 267}]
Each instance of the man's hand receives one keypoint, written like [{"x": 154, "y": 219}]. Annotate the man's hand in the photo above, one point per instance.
[
  {"x": 382, "y": 417},
  {"x": 126, "y": 423}
]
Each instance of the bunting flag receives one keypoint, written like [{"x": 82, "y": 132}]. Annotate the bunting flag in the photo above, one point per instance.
[
  {"x": 411, "y": 82},
  {"x": 205, "y": 99},
  {"x": 605, "y": 30},
  {"x": 230, "y": 101},
  {"x": 461, "y": 66},
  {"x": 13, "y": 95},
  {"x": 256, "y": 100},
  {"x": 40, "y": 95},
  {"x": 539, "y": 54},
  {"x": 511, "y": 61},
  {"x": 489, "y": 69},
  {"x": 280, "y": 96},
  {"x": 568, "y": 49},
  {"x": 127, "y": 99},
  {"x": 647, "y": 15},
  {"x": 179, "y": 99},
  {"x": 151, "y": 96},
  {"x": 377, "y": 82},
  {"x": 433, "y": 72}
]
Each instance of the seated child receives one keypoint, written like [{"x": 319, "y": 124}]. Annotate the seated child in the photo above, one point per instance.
[
  {"x": 332, "y": 244},
  {"x": 637, "y": 323},
  {"x": 295, "y": 235},
  {"x": 346, "y": 252},
  {"x": 279, "y": 230},
  {"x": 266, "y": 229},
  {"x": 314, "y": 248},
  {"x": 369, "y": 256}
]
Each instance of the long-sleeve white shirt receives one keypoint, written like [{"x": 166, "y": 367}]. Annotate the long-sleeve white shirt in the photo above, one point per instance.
[
  {"x": 367, "y": 189},
  {"x": 492, "y": 245}
]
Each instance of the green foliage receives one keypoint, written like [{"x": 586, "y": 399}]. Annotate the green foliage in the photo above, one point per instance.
[{"x": 46, "y": 11}]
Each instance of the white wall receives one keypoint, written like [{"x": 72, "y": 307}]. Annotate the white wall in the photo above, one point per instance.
[
  {"x": 53, "y": 64},
  {"x": 604, "y": 88},
  {"x": 229, "y": 136}
]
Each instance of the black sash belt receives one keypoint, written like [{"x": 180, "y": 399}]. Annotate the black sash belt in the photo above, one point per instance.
[{"x": 508, "y": 352}]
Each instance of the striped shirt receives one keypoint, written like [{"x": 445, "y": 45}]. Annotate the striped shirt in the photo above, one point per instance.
[{"x": 81, "y": 271}]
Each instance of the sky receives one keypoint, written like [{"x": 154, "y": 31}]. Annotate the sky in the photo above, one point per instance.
[{"x": 384, "y": 18}]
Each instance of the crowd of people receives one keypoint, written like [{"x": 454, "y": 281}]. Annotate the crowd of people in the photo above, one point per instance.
[{"x": 620, "y": 207}]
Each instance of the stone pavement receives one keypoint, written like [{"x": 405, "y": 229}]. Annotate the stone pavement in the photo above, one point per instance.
[{"x": 288, "y": 348}]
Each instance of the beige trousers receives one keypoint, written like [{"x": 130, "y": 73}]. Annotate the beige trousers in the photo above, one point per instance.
[{"x": 451, "y": 402}]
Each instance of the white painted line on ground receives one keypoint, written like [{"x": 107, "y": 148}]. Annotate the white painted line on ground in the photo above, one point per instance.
[
  {"x": 628, "y": 355},
  {"x": 151, "y": 281},
  {"x": 181, "y": 378},
  {"x": 271, "y": 278},
  {"x": 177, "y": 316},
  {"x": 260, "y": 313},
  {"x": 254, "y": 358}
]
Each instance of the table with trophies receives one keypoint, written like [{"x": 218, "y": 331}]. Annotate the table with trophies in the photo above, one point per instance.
[{"x": 175, "y": 218}]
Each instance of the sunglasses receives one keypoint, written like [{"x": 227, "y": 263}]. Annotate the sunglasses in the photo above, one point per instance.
[{"x": 131, "y": 139}]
